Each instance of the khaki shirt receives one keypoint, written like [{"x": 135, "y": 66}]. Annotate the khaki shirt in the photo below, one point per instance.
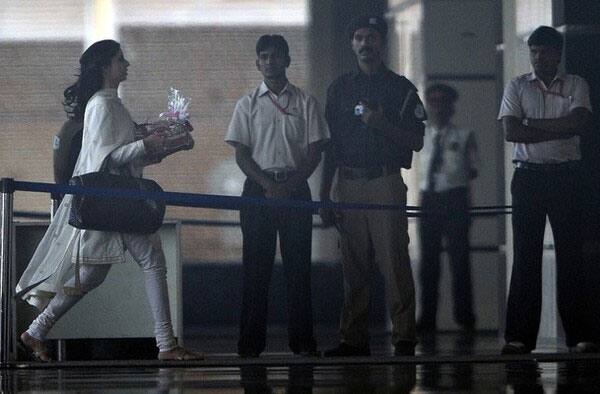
[{"x": 277, "y": 129}]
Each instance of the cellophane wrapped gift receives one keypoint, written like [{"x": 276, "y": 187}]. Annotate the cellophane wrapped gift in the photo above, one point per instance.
[
  {"x": 177, "y": 116},
  {"x": 175, "y": 121}
]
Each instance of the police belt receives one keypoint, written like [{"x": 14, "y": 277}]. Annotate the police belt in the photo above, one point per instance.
[
  {"x": 369, "y": 172},
  {"x": 549, "y": 167}
]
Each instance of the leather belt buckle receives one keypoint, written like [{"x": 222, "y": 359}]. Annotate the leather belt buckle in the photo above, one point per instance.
[{"x": 279, "y": 176}]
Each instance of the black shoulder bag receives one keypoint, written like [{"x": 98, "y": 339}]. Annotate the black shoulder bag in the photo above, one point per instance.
[{"x": 123, "y": 215}]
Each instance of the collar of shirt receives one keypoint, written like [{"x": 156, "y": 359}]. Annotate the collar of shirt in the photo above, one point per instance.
[
  {"x": 560, "y": 76},
  {"x": 264, "y": 89},
  {"x": 107, "y": 94},
  {"x": 379, "y": 75}
]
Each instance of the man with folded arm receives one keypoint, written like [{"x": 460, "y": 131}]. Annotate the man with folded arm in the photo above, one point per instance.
[
  {"x": 543, "y": 114},
  {"x": 278, "y": 134}
]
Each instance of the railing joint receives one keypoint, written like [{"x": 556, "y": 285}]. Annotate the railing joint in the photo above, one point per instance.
[{"x": 7, "y": 185}]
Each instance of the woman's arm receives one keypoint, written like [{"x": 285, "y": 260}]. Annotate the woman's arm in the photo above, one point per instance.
[{"x": 151, "y": 147}]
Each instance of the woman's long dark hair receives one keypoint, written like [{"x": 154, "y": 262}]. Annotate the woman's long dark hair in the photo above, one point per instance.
[{"x": 90, "y": 79}]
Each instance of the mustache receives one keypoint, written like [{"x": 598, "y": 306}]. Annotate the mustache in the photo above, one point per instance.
[{"x": 365, "y": 49}]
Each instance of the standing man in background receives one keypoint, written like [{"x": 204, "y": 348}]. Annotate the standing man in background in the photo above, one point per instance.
[
  {"x": 543, "y": 114},
  {"x": 376, "y": 122},
  {"x": 66, "y": 146},
  {"x": 449, "y": 158},
  {"x": 278, "y": 134}
]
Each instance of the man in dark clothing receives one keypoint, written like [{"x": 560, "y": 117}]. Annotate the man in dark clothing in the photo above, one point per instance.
[
  {"x": 376, "y": 121},
  {"x": 543, "y": 114}
]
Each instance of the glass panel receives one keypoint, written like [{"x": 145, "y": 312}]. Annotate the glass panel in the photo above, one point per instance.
[
  {"x": 531, "y": 14},
  {"x": 205, "y": 48}
]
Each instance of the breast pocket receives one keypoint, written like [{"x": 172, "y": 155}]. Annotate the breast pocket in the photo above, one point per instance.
[
  {"x": 266, "y": 117},
  {"x": 563, "y": 105},
  {"x": 295, "y": 128}
]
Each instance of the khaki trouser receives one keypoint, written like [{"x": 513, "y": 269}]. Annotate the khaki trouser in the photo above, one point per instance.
[{"x": 373, "y": 239}]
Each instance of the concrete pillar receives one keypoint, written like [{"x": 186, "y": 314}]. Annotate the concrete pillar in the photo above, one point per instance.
[{"x": 99, "y": 21}]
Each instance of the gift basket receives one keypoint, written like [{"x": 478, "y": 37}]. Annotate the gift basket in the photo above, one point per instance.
[{"x": 174, "y": 123}]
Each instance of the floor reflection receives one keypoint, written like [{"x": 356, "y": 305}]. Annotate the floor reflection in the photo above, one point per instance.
[
  {"x": 514, "y": 377},
  {"x": 445, "y": 363}
]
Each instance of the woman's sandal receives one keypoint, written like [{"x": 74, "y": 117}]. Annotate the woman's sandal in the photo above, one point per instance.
[
  {"x": 37, "y": 348},
  {"x": 179, "y": 354}
]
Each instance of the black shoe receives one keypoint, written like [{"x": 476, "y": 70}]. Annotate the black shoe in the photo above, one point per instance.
[
  {"x": 345, "y": 350},
  {"x": 515, "y": 348},
  {"x": 404, "y": 348},
  {"x": 584, "y": 347}
]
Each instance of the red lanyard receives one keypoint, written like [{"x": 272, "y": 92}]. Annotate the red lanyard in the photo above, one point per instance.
[{"x": 279, "y": 107}]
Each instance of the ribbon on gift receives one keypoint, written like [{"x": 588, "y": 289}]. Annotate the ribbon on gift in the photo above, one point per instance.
[{"x": 170, "y": 115}]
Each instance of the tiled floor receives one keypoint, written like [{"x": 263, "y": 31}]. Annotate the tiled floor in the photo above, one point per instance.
[{"x": 448, "y": 363}]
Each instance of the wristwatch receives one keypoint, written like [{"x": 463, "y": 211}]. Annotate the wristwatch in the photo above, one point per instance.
[{"x": 525, "y": 122}]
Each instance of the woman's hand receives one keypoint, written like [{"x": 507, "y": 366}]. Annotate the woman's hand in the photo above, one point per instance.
[
  {"x": 162, "y": 126},
  {"x": 177, "y": 143},
  {"x": 140, "y": 131},
  {"x": 155, "y": 143},
  {"x": 190, "y": 142},
  {"x": 187, "y": 126}
]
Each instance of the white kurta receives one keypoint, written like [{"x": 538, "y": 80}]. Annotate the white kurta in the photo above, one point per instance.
[{"x": 108, "y": 142}]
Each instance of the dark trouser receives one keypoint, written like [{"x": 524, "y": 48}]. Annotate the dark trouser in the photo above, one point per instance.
[
  {"x": 260, "y": 226},
  {"x": 535, "y": 195},
  {"x": 446, "y": 215}
]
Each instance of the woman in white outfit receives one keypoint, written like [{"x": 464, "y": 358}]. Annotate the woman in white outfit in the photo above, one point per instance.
[{"x": 70, "y": 262}]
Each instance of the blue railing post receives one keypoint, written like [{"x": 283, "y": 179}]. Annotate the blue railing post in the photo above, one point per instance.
[{"x": 6, "y": 234}]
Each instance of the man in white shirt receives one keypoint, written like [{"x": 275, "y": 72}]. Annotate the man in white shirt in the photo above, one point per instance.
[
  {"x": 449, "y": 159},
  {"x": 543, "y": 114},
  {"x": 278, "y": 134}
]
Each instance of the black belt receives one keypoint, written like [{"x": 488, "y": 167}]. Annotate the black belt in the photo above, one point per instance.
[
  {"x": 279, "y": 176},
  {"x": 369, "y": 172},
  {"x": 549, "y": 167}
]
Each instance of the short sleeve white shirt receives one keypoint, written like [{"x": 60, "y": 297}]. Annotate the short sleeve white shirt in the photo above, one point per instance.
[
  {"x": 527, "y": 97},
  {"x": 459, "y": 157},
  {"x": 277, "y": 129}
]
